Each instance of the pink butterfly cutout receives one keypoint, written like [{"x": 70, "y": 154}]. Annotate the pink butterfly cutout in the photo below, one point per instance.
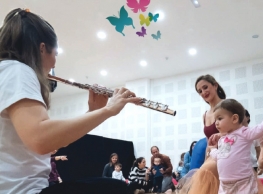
[
  {"x": 142, "y": 33},
  {"x": 136, "y": 6}
]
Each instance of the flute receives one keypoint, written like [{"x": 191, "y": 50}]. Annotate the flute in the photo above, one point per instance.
[{"x": 108, "y": 92}]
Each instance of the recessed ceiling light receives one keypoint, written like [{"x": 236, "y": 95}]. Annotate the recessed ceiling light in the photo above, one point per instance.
[
  {"x": 101, "y": 35},
  {"x": 143, "y": 63},
  {"x": 59, "y": 50},
  {"x": 196, "y": 3},
  {"x": 103, "y": 73},
  {"x": 192, "y": 51},
  {"x": 255, "y": 36},
  {"x": 71, "y": 80},
  {"x": 161, "y": 15}
]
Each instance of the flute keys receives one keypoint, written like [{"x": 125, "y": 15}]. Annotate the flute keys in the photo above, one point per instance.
[
  {"x": 155, "y": 105},
  {"x": 148, "y": 103},
  {"x": 164, "y": 107}
]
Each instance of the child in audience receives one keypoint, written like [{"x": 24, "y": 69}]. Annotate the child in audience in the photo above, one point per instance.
[
  {"x": 117, "y": 173},
  {"x": 177, "y": 173},
  {"x": 233, "y": 153},
  {"x": 158, "y": 176}
]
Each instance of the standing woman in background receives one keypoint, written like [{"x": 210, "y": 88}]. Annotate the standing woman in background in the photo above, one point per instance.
[
  {"x": 187, "y": 159},
  {"x": 109, "y": 168},
  {"x": 28, "y": 50},
  {"x": 206, "y": 179}
]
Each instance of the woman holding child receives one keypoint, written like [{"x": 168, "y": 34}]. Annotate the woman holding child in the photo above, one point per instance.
[{"x": 139, "y": 177}]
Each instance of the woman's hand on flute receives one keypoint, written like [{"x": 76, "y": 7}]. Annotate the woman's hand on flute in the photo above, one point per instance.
[
  {"x": 120, "y": 98},
  {"x": 96, "y": 101}
]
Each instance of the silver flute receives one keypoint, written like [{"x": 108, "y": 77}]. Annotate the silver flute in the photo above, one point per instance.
[{"x": 108, "y": 92}]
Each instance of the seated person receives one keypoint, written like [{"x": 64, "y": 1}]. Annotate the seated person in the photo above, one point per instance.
[
  {"x": 109, "y": 167},
  {"x": 167, "y": 173},
  {"x": 177, "y": 173},
  {"x": 117, "y": 173},
  {"x": 139, "y": 177}
]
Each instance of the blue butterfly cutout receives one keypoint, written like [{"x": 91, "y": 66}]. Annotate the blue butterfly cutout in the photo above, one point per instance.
[
  {"x": 157, "y": 36},
  {"x": 124, "y": 20},
  {"x": 153, "y": 17}
]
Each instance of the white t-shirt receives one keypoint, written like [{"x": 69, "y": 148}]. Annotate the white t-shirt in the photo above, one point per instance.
[
  {"x": 254, "y": 153},
  {"x": 22, "y": 171},
  {"x": 117, "y": 175}
]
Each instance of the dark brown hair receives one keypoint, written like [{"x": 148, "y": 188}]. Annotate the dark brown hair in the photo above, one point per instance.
[
  {"x": 209, "y": 78},
  {"x": 137, "y": 161},
  {"x": 191, "y": 148},
  {"x": 20, "y": 38},
  {"x": 118, "y": 164},
  {"x": 114, "y": 154},
  {"x": 233, "y": 106}
]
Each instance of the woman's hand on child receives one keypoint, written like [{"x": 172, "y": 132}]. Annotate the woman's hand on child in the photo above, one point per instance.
[{"x": 213, "y": 140}]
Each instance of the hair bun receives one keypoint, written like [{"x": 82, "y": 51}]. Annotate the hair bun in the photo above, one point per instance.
[{"x": 24, "y": 12}]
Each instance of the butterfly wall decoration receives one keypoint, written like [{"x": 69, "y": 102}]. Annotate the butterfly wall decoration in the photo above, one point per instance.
[
  {"x": 144, "y": 20},
  {"x": 157, "y": 36},
  {"x": 142, "y": 33},
  {"x": 138, "y": 5},
  {"x": 122, "y": 21},
  {"x": 153, "y": 17}
]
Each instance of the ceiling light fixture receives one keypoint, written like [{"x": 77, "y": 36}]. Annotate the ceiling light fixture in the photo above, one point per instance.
[
  {"x": 196, "y": 3},
  {"x": 192, "y": 51},
  {"x": 143, "y": 63},
  {"x": 103, "y": 73},
  {"x": 101, "y": 35},
  {"x": 71, "y": 80}
]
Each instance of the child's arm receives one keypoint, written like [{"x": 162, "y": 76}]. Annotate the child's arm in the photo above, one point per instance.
[
  {"x": 212, "y": 148},
  {"x": 122, "y": 177},
  {"x": 253, "y": 133}
]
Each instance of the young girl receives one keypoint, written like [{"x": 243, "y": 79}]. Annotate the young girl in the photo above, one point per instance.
[
  {"x": 28, "y": 49},
  {"x": 233, "y": 153}
]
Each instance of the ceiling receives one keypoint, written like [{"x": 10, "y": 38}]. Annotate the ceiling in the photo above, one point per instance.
[{"x": 220, "y": 30}]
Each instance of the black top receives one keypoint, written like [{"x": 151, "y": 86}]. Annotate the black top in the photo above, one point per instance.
[{"x": 108, "y": 170}]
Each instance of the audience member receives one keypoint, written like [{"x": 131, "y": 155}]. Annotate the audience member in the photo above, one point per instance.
[
  {"x": 187, "y": 159},
  {"x": 198, "y": 154},
  {"x": 158, "y": 176},
  {"x": 117, "y": 173},
  {"x": 139, "y": 177},
  {"x": 167, "y": 173},
  {"x": 109, "y": 168},
  {"x": 177, "y": 174}
]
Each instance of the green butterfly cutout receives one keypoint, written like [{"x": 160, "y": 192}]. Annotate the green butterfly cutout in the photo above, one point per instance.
[{"x": 124, "y": 20}]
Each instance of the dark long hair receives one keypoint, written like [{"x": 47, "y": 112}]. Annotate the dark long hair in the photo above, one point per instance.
[
  {"x": 20, "y": 38},
  {"x": 191, "y": 148},
  {"x": 114, "y": 154},
  {"x": 209, "y": 78},
  {"x": 137, "y": 161}
]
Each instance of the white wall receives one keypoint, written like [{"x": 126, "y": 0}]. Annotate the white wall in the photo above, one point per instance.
[{"x": 173, "y": 135}]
